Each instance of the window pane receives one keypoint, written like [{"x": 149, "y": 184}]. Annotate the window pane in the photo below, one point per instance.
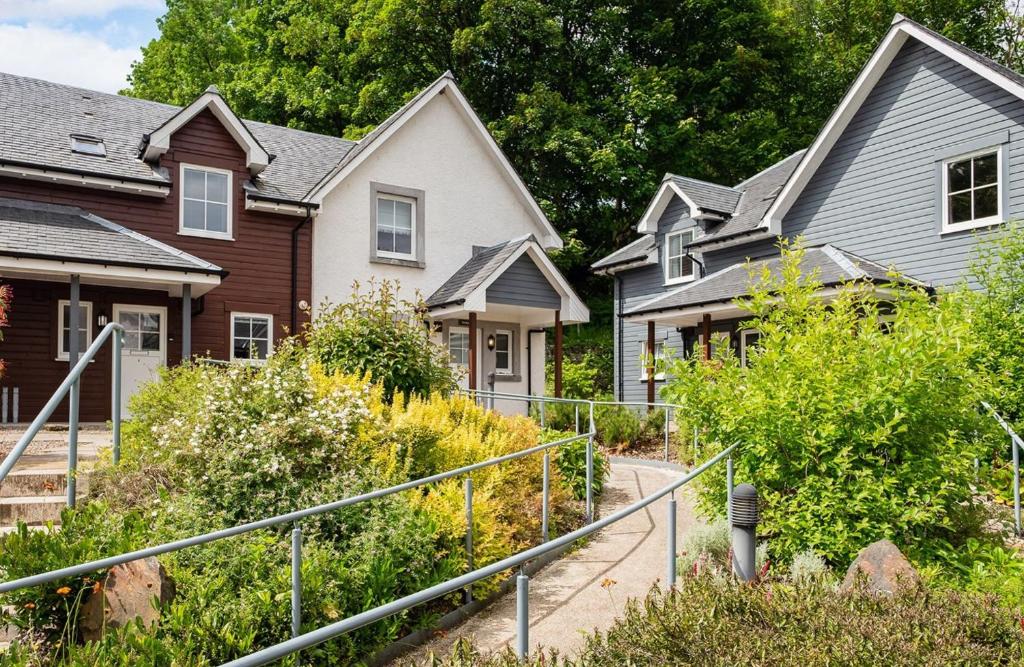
[
  {"x": 217, "y": 217},
  {"x": 259, "y": 328},
  {"x": 675, "y": 267},
  {"x": 259, "y": 349},
  {"x": 960, "y": 207},
  {"x": 986, "y": 202},
  {"x": 403, "y": 214},
  {"x": 985, "y": 170},
  {"x": 194, "y": 214},
  {"x": 149, "y": 322},
  {"x": 217, "y": 187},
  {"x": 151, "y": 342},
  {"x": 241, "y": 350},
  {"x": 242, "y": 327},
  {"x": 501, "y": 342},
  {"x": 132, "y": 340},
  {"x": 403, "y": 241},
  {"x": 686, "y": 266},
  {"x": 195, "y": 184},
  {"x": 385, "y": 213},
  {"x": 501, "y": 360},
  {"x": 959, "y": 175},
  {"x": 674, "y": 245},
  {"x": 129, "y": 320},
  {"x": 385, "y": 239}
]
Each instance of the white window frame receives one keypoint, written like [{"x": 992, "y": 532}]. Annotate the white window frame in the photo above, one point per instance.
[
  {"x": 62, "y": 354},
  {"x": 682, "y": 247},
  {"x": 411, "y": 255},
  {"x": 458, "y": 330},
  {"x": 508, "y": 370},
  {"x": 1000, "y": 216},
  {"x": 270, "y": 336},
  {"x": 226, "y": 235},
  {"x": 744, "y": 345},
  {"x": 659, "y": 356}
]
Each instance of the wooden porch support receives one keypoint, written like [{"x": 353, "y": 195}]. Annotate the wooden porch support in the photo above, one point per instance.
[
  {"x": 472, "y": 351},
  {"x": 650, "y": 362},
  {"x": 73, "y": 324},
  {"x": 707, "y": 336},
  {"x": 186, "y": 322},
  {"x": 558, "y": 354}
]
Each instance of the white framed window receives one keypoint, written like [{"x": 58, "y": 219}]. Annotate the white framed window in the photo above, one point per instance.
[
  {"x": 252, "y": 336},
  {"x": 205, "y": 206},
  {"x": 659, "y": 357},
  {"x": 84, "y": 327},
  {"x": 972, "y": 190},
  {"x": 458, "y": 345},
  {"x": 396, "y": 226},
  {"x": 748, "y": 341},
  {"x": 503, "y": 352},
  {"x": 678, "y": 266}
]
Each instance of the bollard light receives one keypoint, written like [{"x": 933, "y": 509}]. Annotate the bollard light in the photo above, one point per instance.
[{"x": 744, "y": 531}]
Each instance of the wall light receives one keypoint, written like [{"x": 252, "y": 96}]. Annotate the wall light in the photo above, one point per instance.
[
  {"x": 101, "y": 319},
  {"x": 490, "y": 342}
]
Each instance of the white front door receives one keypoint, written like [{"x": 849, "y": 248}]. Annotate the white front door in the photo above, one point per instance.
[{"x": 144, "y": 349}]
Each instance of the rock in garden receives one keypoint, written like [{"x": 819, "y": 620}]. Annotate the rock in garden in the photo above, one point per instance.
[
  {"x": 883, "y": 568},
  {"x": 128, "y": 593}
]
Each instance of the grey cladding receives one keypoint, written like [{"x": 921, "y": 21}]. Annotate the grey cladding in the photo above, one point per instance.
[{"x": 523, "y": 284}]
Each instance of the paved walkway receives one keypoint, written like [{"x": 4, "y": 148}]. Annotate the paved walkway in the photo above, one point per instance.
[{"x": 588, "y": 589}]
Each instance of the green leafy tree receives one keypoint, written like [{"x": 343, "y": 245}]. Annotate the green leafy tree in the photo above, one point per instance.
[{"x": 852, "y": 429}]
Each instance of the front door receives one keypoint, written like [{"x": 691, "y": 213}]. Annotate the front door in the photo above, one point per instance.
[{"x": 144, "y": 349}]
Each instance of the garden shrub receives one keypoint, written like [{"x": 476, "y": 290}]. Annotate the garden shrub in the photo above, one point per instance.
[
  {"x": 852, "y": 431},
  {"x": 571, "y": 461},
  {"x": 717, "y": 621},
  {"x": 380, "y": 334}
]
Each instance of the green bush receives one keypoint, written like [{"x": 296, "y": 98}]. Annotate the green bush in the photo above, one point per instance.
[
  {"x": 379, "y": 334},
  {"x": 571, "y": 461},
  {"x": 715, "y": 621},
  {"x": 851, "y": 430}
]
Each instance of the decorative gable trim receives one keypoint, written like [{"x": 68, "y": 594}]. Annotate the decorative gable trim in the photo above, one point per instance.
[
  {"x": 649, "y": 222},
  {"x": 901, "y": 30},
  {"x": 445, "y": 85},
  {"x": 158, "y": 142}
]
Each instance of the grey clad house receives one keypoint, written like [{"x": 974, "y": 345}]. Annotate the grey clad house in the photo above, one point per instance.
[{"x": 923, "y": 157}]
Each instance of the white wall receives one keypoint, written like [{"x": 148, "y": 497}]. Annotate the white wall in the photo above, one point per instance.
[{"x": 468, "y": 202}]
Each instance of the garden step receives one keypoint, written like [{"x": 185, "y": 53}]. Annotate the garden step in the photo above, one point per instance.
[
  {"x": 30, "y": 509},
  {"x": 36, "y": 482}
]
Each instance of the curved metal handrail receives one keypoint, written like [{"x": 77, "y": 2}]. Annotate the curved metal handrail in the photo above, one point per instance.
[
  {"x": 62, "y": 391},
  {"x": 1018, "y": 446}
]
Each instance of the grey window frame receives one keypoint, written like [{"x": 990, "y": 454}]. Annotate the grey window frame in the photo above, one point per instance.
[{"x": 418, "y": 196}]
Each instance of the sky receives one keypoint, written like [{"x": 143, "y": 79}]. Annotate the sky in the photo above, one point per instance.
[{"x": 86, "y": 43}]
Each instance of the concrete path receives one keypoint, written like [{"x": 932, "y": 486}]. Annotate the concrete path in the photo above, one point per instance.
[{"x": 587, "y": 590}]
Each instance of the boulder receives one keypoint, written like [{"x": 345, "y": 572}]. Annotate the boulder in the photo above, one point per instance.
[
  {"x": 883, "y": 569},
  {"x": 129, "y": 591}
]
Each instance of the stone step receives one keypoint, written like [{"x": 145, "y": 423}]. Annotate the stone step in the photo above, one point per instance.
[
  {"x": 36, "y": 482},
  {"x": 35, "y": 510}
]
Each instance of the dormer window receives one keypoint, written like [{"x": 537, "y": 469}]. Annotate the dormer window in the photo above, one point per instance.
[
  {"x": 205, "y": 202},
  {"x": 678, "y": 265},
  {"x": 88, "y": 145}
]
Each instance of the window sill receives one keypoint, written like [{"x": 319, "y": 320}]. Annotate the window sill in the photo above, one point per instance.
[
  {"x": 970, "y": 226},
  {"x": 679, "y": 281},
  {"x": 205, "y": 235},
  {"x": 395, "y": 261}
]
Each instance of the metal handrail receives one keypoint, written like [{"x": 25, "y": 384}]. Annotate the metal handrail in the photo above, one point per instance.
[
  {"x": 69, "y": 385},
  {"x": 333, "y": 630},
  {"x": 1017, "y": 446},
  {"x": 290, "y": 517}
]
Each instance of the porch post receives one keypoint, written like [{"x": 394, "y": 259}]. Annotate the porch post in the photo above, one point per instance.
[
  {"x": 707, "y": 336},
  {"x": 73, "y": 327},
  {"x": 472, "y": 352},
  {"x": 558, "y": 354},
  {"x": 186, "y": 322},
  {"x": 650, "y": 362}
]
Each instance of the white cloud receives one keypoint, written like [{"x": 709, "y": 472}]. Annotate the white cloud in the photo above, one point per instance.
[
  {"x": 35, "y": 10},
  {"x": 64, "y": 56}
]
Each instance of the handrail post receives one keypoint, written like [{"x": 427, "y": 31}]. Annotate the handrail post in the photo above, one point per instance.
[
  {"x": 728, "y": 489},
  {"x": 73, "y": 357},
  {"x": 546, "y": 497},
  {"x": 542, "y": 403},
  {"x": 468, "y": 595},
  {"x": 696, "y": 446},
  {"x": 577, "y": 411},
  {"x": 590, "y": 467},
  {"x": 115, "y": 399},
  {"x": 296, "y": 583},
  {"x": 1016, "y": 484},
  {"x": 522, "y": 616},
  {"x": 670, "y": 579},
  {"x": 666, "y": 432}
]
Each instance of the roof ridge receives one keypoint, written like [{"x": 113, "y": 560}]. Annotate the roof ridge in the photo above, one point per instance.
[
  {"x": 844, "y": 262},
  {"x": 702, "y": 181},
  {"x": 769, "y": 168}
]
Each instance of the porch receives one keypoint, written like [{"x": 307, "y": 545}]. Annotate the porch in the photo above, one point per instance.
[
  {"x": 493, "y": 315},
  {"x": 71, "y": 271}
]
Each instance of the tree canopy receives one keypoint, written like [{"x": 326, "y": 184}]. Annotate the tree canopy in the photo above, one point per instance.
[{"x": 593, "y": 100}]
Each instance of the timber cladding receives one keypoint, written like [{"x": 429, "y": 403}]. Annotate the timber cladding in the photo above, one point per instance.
[{"x": 259, "y": 262}]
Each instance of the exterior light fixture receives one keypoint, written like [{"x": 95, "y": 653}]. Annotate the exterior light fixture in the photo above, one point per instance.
[
  {"x": 101, "y": 319},
  {"x": 490, "y": 342}
]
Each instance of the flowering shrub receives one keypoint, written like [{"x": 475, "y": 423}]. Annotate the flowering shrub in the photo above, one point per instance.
[{"x": 6, "y": 296}]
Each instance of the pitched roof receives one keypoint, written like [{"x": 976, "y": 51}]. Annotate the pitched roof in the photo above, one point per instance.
[
  {"x": 37, "y": 118},
  {"x": 708, "y": 196},
  {"x": 636, "y": 251},
  {"x": 834, "y": 266},
  {"x": 68, "y": 233},
  {"x": 473, "y": 273}
]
